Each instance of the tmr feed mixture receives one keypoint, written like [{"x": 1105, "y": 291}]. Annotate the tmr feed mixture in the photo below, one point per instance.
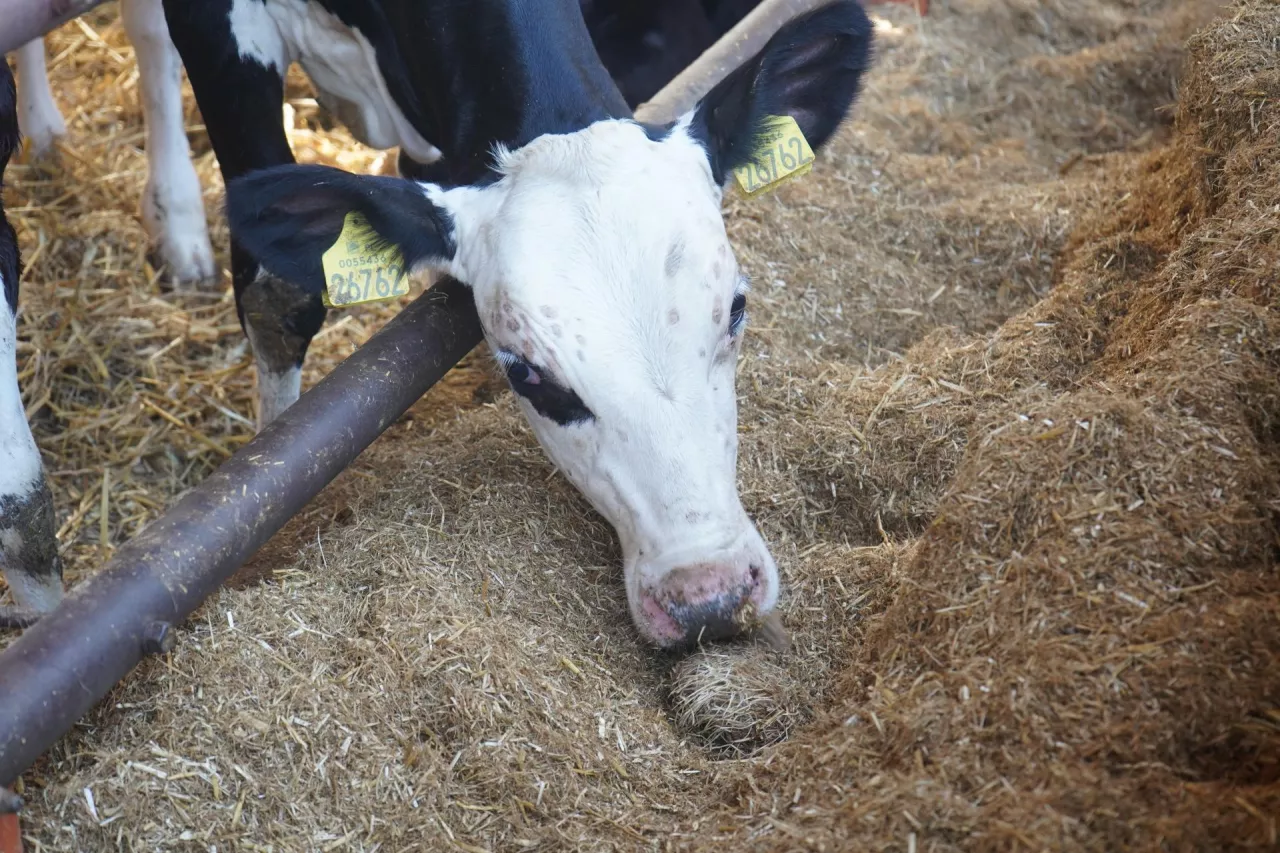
[{"x": 1007, "y": 423}]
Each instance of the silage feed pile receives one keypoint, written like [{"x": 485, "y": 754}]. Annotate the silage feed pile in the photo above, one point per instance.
[{"x": 1010, "y": 420}]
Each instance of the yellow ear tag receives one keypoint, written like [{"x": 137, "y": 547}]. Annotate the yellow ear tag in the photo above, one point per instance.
[
  {"x": 783, "y": 154},
  {"x": 357, "y": 271}
]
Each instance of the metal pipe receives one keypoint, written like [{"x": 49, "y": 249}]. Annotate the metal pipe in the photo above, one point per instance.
[
  {"x": 24, "y": 20},
  {"x": 67, "y": 661}
]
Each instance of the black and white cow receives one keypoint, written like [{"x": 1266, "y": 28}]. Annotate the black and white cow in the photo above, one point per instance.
[
  {"x": 28, "y": 551},
  {"x": 594, "y": 245}
]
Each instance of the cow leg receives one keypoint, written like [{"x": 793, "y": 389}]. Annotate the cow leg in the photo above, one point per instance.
[
  {"x": 28, "y": 550},
  {"x": 172, "y": 204},
  {"x": 38, "y": 114},
  {"x": 239, "y": 87}
]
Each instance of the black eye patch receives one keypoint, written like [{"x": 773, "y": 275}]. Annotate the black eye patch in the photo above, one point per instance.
[{"x": 548, "y": 398}]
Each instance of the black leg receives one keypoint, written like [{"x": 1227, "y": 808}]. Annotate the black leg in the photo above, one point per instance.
[{"x": 240, "y": 99}]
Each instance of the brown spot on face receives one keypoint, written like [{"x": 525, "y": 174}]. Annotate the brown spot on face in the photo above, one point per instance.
[
  {"x": 673, "y": 316},
  {"x": 717, "y": 315},
  {"x": 548, "y": 312},
  {"x": 513, "y": 325},
  {"x": 675, "y": 257}
]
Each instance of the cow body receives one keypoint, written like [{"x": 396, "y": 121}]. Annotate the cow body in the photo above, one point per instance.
[{"x": 594, "y": 245}]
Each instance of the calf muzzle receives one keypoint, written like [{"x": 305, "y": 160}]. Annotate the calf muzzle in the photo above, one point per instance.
[{"x": 705, "y": 603}]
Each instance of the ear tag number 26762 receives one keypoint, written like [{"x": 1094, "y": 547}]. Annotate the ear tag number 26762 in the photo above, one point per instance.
[
  {"x": 358, "y": 270},
  {"x": 784, "y": 153}
]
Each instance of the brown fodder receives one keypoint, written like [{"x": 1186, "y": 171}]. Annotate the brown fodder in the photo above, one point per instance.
[{"x": 1082, "y": 651}]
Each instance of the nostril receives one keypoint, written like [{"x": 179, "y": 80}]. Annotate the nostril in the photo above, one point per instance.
[
  {"x": 716, "y": 617},
  {"x": 705, "y": 601}
]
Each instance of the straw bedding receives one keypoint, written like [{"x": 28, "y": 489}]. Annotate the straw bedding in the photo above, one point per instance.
[{"x": 1009, "y": 420}]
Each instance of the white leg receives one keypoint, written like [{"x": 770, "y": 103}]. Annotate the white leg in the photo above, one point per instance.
[
  {"x": 279, "y": 319},
  {"x": 172, "y": 205},
  {"x": 276, "y": 392},
  {"x": 38, "y": 115},
  {"x": 278, "y": 389},
  {"x": 28, "y": 548}
]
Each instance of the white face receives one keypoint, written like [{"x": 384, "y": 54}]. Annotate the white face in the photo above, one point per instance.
[{"x": 609, "y": 292}]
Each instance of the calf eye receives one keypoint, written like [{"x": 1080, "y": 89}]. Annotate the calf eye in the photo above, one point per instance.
[
  {"x": 737, "y": 314},
  {"x": 548, "y": 398},
  {"x": 520, "y": 373}
]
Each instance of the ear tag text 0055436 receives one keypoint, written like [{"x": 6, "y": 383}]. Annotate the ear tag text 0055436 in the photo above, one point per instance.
[
  {"x": 783, "y": 154},
  {"x": 359, "y": 267}
]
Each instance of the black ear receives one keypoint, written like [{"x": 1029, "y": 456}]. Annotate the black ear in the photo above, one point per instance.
[
  {"x": 287, "y": 217},
  {"x": 810, "y": 70}
]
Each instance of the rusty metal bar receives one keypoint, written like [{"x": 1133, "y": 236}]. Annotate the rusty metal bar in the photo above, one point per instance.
[
  {"x": 24, "y": 20},
  {"x": 67, "y": 661}
]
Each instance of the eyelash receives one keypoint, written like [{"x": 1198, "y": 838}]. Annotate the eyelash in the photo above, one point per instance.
[{"x": 548, "y": 398}]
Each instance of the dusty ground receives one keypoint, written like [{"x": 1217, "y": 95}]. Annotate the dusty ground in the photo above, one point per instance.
[{"x": 1009, "y": 408}]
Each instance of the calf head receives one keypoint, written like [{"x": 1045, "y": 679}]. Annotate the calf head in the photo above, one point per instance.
[{"x": 610, "y": 295}]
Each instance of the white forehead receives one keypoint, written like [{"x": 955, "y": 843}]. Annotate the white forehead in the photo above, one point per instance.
[{"x": 596, "y": 213}]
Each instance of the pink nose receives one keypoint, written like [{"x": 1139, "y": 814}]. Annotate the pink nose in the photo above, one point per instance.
[{"x": 702, "y": 603}]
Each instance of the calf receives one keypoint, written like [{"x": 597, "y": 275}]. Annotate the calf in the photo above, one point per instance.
[
  {"x": 28, "y": 550},
  {"x": 594, "y": 245}
]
